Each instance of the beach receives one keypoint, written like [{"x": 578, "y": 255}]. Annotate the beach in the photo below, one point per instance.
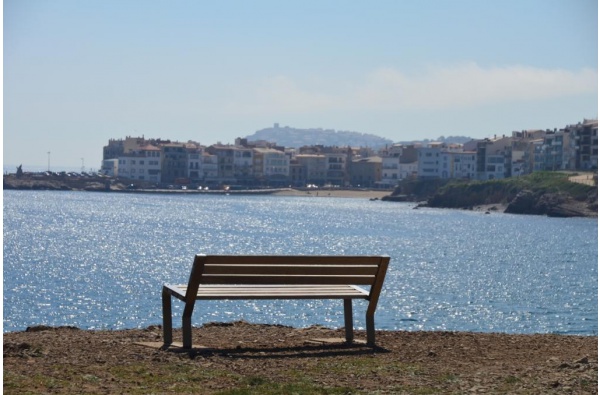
[
  {"x": 275, "y": 359},
  {"x": 337, "y": 193}
]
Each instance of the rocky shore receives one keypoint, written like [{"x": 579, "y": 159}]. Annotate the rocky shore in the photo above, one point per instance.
[
  {"x": 554, "y": 194},
  {"x": 59, "y": 183}
]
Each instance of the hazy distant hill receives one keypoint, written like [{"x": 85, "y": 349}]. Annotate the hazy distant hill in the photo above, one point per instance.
[
  {"x": 441, "y": 139},
  {"x": 294, "y": 138}
]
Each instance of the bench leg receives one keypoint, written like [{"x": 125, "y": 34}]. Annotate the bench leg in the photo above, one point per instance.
[
  {"x": 167, "y": 318},
  {"x": 370, "y": 329},
  {"x": 348, "y": 322},
  {"x": 186, "y": 329}
]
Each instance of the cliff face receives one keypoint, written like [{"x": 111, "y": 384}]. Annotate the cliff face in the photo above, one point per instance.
[{"x": 553, "y": 205}]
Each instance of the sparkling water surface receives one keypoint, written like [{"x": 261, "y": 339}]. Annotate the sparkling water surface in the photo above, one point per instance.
[{"x": 98, "y": 261}]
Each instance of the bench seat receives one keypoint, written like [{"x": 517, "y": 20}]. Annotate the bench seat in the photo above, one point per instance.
[{"x": 221, "y": 292}]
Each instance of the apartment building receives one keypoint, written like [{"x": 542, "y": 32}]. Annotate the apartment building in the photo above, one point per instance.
[
  {"x": 174, "y": 166},
  {"x": 143, "y": 163},
  {"x": 209, "y": 172},
  {"x": 271, "y": 166},
  {"x": 365, "y": 172},
  {"x": 336, "y": 171},
  {"x": 397, "y": 163},
  {"x": 585, "y": 144},
  {"x": 553, "y": 151},
  {"x": 308, "y": 169},
  {"x": 243, "y": 165},
  {"x": 390, "y": 164},
  {"x": 461, "y": 165},
  {"x": 493, "y": 158},
  {"x": 429, "y": 161},
  {"x": 518, "y": 161},
  {"x": 336, "y": 163}
]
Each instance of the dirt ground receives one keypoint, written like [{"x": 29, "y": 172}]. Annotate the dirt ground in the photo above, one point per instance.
[{"x": 252, "y": 358}]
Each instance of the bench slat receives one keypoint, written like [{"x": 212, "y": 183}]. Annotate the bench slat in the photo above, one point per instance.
[
  {"x": 286, "y": 269},
  {"x": 291, "y": 259},
  {"x": 283, "y": 279}
]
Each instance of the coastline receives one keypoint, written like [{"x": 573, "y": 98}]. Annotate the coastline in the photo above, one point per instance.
[
  {"x": 554, "y": 206},
  {"x": 256, "y": 358},
  {"x": 336, "y": 193}
]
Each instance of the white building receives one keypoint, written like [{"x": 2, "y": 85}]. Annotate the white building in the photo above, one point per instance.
[
  {"x": 143, "y": 164},
  {"x": 408, "y": 170},
  {"x": 429, "y": 161},
  {"x": 462, "y": 165},
  {"x": 390, "y": 165},
  {"x": 210, "y": 167},
  {"x": 194, "y": 163}
]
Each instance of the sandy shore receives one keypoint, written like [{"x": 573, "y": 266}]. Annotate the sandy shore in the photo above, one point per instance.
[
  {"x": 338, "y": 193},
  {"x": 274, "y": 359}
]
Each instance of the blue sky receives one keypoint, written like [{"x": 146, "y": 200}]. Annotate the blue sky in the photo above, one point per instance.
[{"x": 77, "y": 73}]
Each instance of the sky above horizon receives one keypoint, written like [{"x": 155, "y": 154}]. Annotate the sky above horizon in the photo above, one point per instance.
[{"x": 78, "y": 73}]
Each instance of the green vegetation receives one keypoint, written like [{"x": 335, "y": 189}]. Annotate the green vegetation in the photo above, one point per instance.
[
  {"x": 262, "y": 386},
  {"x": 459, "y": 194}
]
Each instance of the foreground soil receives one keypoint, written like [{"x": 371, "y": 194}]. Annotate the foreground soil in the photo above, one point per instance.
[{"x": 246, "y": 358}]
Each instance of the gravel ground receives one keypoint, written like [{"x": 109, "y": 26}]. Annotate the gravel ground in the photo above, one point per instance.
[{"x": 252, "y": 358}]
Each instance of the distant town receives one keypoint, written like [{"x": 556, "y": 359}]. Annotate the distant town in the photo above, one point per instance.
[{"x": 261, "y": 163}]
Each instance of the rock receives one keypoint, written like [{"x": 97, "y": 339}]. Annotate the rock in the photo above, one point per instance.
[
  {"x": 554, "y": 384},
  {"x": 523, "y": 203},
  {"x": 38, "y": 328},
  {"x": 550, "y": 204},
  {"x": 583, "y": 360},
  {"x": 561, "y": 211},
  {"x": 395, "y": 198},
  {"x": 42, "y": 328}
]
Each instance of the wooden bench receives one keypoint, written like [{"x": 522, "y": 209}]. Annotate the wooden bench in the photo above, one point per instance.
[{"x": 215, "y": 277}]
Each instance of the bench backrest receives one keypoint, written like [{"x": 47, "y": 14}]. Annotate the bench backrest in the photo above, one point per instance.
[{"x": 288, "y": 269}]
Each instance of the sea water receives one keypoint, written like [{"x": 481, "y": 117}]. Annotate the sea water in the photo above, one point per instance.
[{"x": 98, "y": 261}]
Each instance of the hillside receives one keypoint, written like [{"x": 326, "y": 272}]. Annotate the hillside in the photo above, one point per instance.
[
  {"x": 441, "y": 139},
  {"x": 295, "y": 138}
]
